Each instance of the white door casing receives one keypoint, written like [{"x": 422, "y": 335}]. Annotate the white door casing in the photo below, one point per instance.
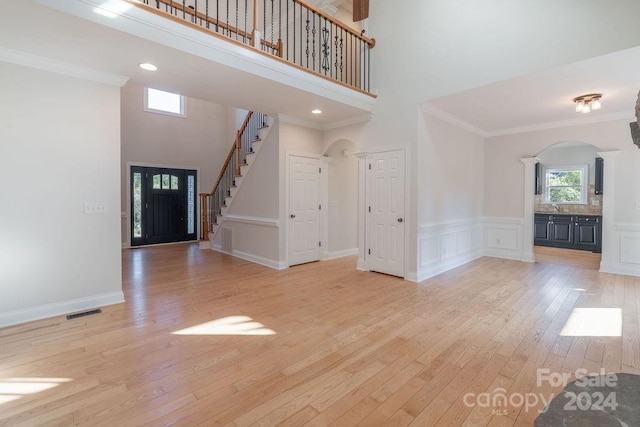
[
  {"x": 304, "y": 210},
  {"x": 386, "y": 219}
]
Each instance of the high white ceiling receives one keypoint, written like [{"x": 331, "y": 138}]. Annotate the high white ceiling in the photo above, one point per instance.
[
  {"x": 30, "y": 27},
  {"x": 532, "y": 101},
  {"x": 545, "y": 99}
]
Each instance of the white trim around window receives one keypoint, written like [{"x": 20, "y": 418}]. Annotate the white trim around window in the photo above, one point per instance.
[
  {"x": 167, "y": 103},
  {"x": 584, "y": 183}
]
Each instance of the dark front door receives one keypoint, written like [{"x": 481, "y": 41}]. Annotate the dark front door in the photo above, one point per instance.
[{"x": 163, "y": 205}]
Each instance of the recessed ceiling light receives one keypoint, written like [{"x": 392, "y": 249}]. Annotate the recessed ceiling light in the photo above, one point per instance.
[
  {"x": 147, "y": 66},
  {"x": 316, "y": 111}
]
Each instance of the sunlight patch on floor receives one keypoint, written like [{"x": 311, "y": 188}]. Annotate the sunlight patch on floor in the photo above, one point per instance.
[
  {"x": 593, "y": 322},
  {"x": 14, "y": 388},
  {"x": 232, "y": 325}
]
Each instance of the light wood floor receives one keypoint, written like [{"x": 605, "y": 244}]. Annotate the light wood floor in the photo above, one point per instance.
[{"x": 346, "y": 347}]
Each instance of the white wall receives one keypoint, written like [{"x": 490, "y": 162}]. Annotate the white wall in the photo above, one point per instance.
[
  {"x": 59, "y": 147},
  {"x": 201, "y": 140},
  {"x": 343, "y": 198},
  {"x": 297, "y": 140},
  {"x": 255, "y": 211},
  {"x": 444, "y": 47},
  {"x": 504, "y": 183},
  {"x": 451, "y": 186},
  {"x": 451, "y": 173},
  {"x": 504, "y": 171}
]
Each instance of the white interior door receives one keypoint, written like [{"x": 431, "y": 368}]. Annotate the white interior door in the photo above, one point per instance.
[
  {"x": 386, "y": 217},
  {"x": 304, "y": 210}
]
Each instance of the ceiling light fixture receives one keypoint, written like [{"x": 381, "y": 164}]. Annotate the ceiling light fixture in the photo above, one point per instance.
[
  {"x": 147, "y": 66},
  {"x": 316, "y": 111},
  {"x": 586, "y": 103}
]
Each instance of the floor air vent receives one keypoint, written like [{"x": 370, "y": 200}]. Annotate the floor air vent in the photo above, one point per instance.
[{"x": 84, "y": 313}]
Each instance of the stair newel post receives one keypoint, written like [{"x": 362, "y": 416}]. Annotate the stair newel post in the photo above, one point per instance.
[
  {"x": 255, "y": 33},
  {"x": 204, "y": 215}
]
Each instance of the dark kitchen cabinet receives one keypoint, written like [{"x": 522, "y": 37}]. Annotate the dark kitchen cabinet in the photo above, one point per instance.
[
  {"x": 588, "y": 233},
  {"x": 561, "y": 230},
  {"x": 599, "y": 175},
  {"x": 583, "y": 232},
  {"x": 538, "y": 179},
  {"x": 541, "y": 228}
]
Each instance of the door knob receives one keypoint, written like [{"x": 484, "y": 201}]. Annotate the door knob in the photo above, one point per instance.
[
  {"x": 292, "y": 216},
  {"x": 400, "y": 220}
]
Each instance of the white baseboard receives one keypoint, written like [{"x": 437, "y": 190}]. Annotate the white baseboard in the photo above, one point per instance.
[
  {"x": 340, "y": 254},
  {"x": 59, "y": 308},
  {"x": 431, "y": 271},
  {"x": 503, "y": 253},
  {"x": 619, "y": 268},
  {"x": 411, "y": 276},
  {"x": 277, "y": 265}
]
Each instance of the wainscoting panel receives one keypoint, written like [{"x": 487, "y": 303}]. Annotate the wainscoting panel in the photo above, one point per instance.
[
  {"x": 503, "y": 237},
  {"x": 627, "y": 243},
  {"x": 444, "y": 246}
]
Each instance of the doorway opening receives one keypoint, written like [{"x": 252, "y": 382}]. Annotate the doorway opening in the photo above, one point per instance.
[{"x": 568, "y": 202}]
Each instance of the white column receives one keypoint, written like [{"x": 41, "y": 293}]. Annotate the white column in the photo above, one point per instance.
[
  {"x": 324, "y": 201},
  {"x": 362, "y": 210},
  {"x": 529, "y": 195},
  {"x": 610, "y": 249}
]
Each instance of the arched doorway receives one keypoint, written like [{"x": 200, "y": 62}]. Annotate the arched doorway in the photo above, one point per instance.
[{"x": 602, "y": 203}]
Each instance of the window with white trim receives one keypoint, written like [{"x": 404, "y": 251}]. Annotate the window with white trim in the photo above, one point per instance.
[
  {"x": 162, "y": 102},
  {"x": 566, "y": 184}
]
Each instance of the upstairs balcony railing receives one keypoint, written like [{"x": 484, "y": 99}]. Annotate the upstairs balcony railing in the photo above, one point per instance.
[{"x": 291, "y": 30}]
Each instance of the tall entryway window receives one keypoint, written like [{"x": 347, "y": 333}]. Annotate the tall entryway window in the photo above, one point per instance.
[{"x": 163, "y": 205}]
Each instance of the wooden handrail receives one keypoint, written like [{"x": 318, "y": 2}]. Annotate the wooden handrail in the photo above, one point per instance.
[
  {"x": 234, "y": 147},
  {"x": 367, "y": 40},
  {"x": 275, "y": 49},
  {"x": 216, "y": 23},
  {"x": 224, "y": 167}
]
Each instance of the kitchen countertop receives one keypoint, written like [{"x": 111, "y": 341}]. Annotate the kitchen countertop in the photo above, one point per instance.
[{"x": 566, "y": 213}]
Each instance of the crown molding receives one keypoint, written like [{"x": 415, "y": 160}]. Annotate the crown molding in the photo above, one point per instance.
[
  {"x": 578, "y": 121},
  {"x": 284, "y": 118},
  {"x": 452, "y": 119},
  {"x": 362, "y": 118},
  {"x": 47, "y": 64}
]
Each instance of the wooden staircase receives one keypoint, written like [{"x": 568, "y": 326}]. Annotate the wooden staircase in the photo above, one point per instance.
[{"x": 216, "y": 204}]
